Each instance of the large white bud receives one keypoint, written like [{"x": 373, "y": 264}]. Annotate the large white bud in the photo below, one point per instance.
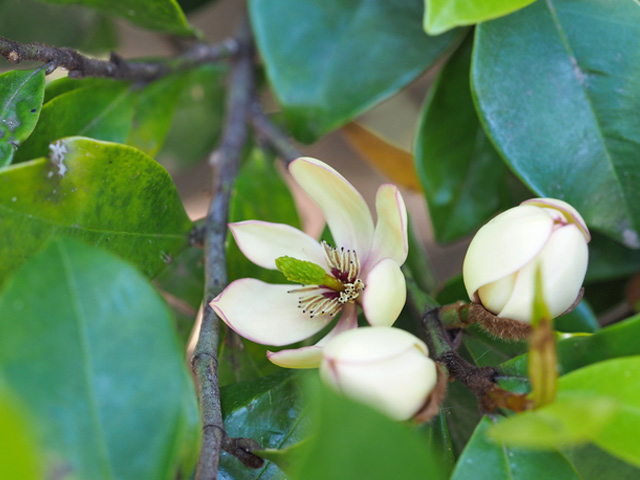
[
  {"x": 500, "y": 266},
  {"x": 386, "y": 368}
]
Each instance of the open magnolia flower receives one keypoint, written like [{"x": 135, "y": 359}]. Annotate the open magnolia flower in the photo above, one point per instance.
[{"x": 363, "y": 268}]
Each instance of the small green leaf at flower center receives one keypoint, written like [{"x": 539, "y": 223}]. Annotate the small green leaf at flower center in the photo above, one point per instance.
[{"x": 306, "y": 273}]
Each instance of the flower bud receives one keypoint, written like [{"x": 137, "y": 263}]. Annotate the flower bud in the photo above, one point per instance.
[
  {"x": 500, "y": 266},
  {"x": 386, "y": 368}
]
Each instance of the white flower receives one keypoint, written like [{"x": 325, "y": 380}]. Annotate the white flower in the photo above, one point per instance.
[
  {"x": 500, "y": 265},
  {"x": 386, "y": 368},
  {"x": 364, "y": 263}
]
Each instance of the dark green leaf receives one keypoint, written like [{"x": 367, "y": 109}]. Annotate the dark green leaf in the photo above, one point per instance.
[
  {"x": 439, "y": 439},
  {"x": 197, "y": 122},
  {"x": 21, "y": 94},
  {"x": 269, "y": 410},
  {"x": 69, "y": 26},
  {"x": 106, "y": 194},
  {"x": 161, "y": 15},
  {"x": 553, "y": 85},
  {"x": 352, "y": 441},
  {"x": 418, "y": 263},
  {"x": 609, "y": 260},
  {"x": 578, "y": 350},
  {"x": 89, "y": 346},
  {"x": 485, "y": 460},
  {"x": 66, "y": 84},
  {"x": 259, "y": 193},
  {"x": 595, "y": 464},
  {"x": 18, "y": 457},
  {"x": 154, "y": 112},
  {"x": 487, "y": 350},
  {"x": 461, "y": 173},
  {"x": 329, "y": 60},
  {"x": 581, "y": 319},
  {"x": 442, "y": 15},
  {"x": 99, "y": 111},
  {"x": 461, "y": 411}
]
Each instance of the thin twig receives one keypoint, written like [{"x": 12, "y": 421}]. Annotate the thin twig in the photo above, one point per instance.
[
  {"x": 272, "y": 134},
  {"x": 204, "y": 363},
  {"x": 116, "y": 67}
]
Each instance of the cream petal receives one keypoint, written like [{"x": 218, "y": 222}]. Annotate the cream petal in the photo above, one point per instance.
[
  {"x": 504, "y": 245},
  {"x": 304, "y": 357},
  {"x": 266, "y": 313},
  {"x": 563, "y": 263},
  {"x": 263, "y": 242},
  {"x": 344, "y": 208},
  {"x": 494, "y": 296},
  {"x": 572, "y": 215},
  {"x": 385, "y": 293},
  {"x": 390, "y": 236}
]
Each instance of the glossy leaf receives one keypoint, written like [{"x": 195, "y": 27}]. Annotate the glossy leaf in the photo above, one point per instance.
[
  {"x": 486, "y": 460},
  {"x": 259, "y": 193},
  {"x": 197, "y": 122},
  {"x": 443, "y": 15},
  {"x": 581, "y": 319},
  {"x": 579, "y": 350},
  {"x": 154, "y": 112},
  {"x": 106, "y": 194},
  {"x": 269, "y": 410},
  {"x": 593, "y": 463},
  {"x": 160, "y": 15},
  {"x": 18, "y": 454},
  {"x": 461, "y": 411},
  {"x": 462, "y": 175},
  {"x": 351, "y": 441},
  {"x": 609, "y": 259},
  {"x": 438, "y": 438},
  {"x": 21, "y": 94},
  {"x": 88, "y": 345},
  {"x": 328, "y": 61},
  {"x": 487, "y": 350},
  {"x": 99, "y": 111},
  {"x": 559, "y": 104}
]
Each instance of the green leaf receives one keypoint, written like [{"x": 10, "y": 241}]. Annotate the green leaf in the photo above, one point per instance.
[
  {"x": 580, "y": 319},
  {"x": 578, "y": 350},
  {"x": 21, "y": 94},
  {"x": 462, "y": 414},
  {"x": 259, "y": 193},
  {"x": 197, "y": 122},
  {"x": 593, "y": 463},
  {"x": 552, "y": 86},
  {"x": 18, "y": 457},
  {"x": 438, "y": 438},
  {"x": 91, "y": 365},
  {"x": 461, "y": 173},
  {"x": 443, "y": 15},
  {"x": 569, "y": 420},
  {"x": 352, "y": 441},
  {"x": 154, "y": 112},
  {"x": 98, "y": 111},
  {"x": 485, "y": 460},
  {"x": 160, "y": 15},
  {"x": 300, "y": 271},
  {"x": 269, "y": 410},
  {"x": 487, "y": 350},
  {"x": 330, "y": 60},
  {"x": 106, "y": 194},
  {"x": 32, "y": 21},
  {"x": 609, "y": 259}
]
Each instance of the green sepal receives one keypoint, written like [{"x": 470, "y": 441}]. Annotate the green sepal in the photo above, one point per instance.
[{"x": 300, "y": 271}]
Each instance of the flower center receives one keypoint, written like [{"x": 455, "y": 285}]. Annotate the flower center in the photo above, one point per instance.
[{"x": 339, "y": 288}]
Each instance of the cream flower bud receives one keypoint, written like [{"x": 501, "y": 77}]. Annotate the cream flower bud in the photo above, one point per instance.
[
  {"x": 386, "y": 368},
  {"x": 500, "y": 265}
]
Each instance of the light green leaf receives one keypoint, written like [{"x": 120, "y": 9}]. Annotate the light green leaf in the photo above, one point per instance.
[
  {"x": 88, "y": 345},
  {"x": 443, "y": 15},
  {"x": 160, "y": 15},
  {"x": 99, "y": 111},
  {"x": 461, "y": 173},
  {"x": 104, "y": 193},
  {"x": 21, "y": 94},
  {"x": 555, "y": 87},
  {"x": 18, "y": 456},
  {"x": 269, "y": 410},
  {"x": 485, "y": 460},
  {"x": 330, "y": 60}
]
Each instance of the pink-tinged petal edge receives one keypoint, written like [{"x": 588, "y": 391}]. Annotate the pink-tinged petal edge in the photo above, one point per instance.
[
  {"x": 385, "y": 293},
  {"x": 345, "y": 210},
  {"x": 265, "y": 313},
  {"x": 263, "y": 242},
  {"x": 390, "y": 238},
  {"x": 311, "y": 357},
  {"x": 569, "y": 210}
]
